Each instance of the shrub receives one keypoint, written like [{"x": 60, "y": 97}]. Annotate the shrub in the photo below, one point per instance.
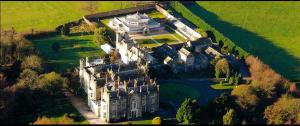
[
  {"x": 33, "y": 62},
  {"x": 44, "y": 120},
  {"x": 126, "y": 123},
  {"x": 156, "y": 121},
  {"x": 246, "y": 96},
  {"x": 285, "y": 109}
]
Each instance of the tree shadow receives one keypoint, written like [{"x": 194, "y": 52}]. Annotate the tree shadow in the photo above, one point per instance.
[
  {"x": 68, "y": 56},
  {"x": 277, "y": 58}
]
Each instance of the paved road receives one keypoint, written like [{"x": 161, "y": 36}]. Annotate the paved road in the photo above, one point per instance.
[{"x": 82, "y": 107}]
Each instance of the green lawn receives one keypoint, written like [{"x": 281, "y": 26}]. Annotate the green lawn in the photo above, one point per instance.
[
  {"x": 141, "y": 122},
  {"x": 156, "y": 15},
  {"x": 53, "y": 108},
  {"x": 178, "y": 92},
  {"x": 72, "y": 49},
  {"x": 45, "y": 15},
  {"x": 158, "y": 40},
  {"x": 219, "y": 86},
  {"x": 269, "y": 30},
  {"x": 147, "y": 43}
]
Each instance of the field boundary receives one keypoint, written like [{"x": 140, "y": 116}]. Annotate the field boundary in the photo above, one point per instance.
[{"x": 197, "y": 21}]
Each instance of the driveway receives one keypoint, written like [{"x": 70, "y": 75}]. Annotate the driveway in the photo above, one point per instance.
[{"x": 83, "y": 109}]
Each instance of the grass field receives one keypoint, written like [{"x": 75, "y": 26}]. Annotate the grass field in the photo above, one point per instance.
[
  {"x": 269, "y": 30},
  {"x": 72, "y": 49},
  {"x": 178, "y": 92},
  {"x": 45, "y": 15}
]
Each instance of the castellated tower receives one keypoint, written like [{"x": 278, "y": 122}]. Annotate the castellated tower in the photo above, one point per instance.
[{"x": 119, "y": 91}]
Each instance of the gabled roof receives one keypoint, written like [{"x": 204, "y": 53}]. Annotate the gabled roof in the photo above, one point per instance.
[
  {"x": 184, "y": 51},
  {"x": 166, "y": 50}
]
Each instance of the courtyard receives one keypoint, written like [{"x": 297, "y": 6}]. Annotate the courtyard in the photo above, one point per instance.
[{"x": 155, "y": 38}]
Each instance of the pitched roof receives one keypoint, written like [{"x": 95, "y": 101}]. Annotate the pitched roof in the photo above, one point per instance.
[{"x": 184, "y": 51}]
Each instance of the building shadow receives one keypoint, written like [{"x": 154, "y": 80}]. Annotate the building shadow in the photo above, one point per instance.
[{"x": 277, "y": 58}]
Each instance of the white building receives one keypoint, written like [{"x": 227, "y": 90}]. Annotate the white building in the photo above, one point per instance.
[
  {"x": 130, "y": 51},
  {"x": 134, "y": 23},
  {"x": 106, "y": 48}
]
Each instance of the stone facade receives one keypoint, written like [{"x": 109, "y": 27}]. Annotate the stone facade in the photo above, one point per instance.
[
  {"x": 130, "y": 51},
  {"x": 117, "y": 92}
]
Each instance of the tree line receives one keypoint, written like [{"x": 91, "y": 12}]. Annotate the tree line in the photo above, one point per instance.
[
  {"x": 25, "y": 84},
  {"x": 268, "y": 98}
]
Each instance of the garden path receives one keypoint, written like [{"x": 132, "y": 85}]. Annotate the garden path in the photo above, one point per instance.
[{"x": 82, "y": 107}]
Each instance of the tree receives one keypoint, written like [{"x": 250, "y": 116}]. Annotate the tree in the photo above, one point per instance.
[
  {"x": 29, "y": 76},
  {"x": 246, "y": 97},
  {"x": 222, "y": 67},
  {"x": 156, "y": 121},
  {"x": 99, "y": 35},
  {"x": 45, "y": 120},
  {"x": 33, "y": 62},
  {"x": 65, "y": 30},
  {"x": 50, "y": 83},
  {"x": 114, "y": 56},
  {"x": 229, "y": 118},
  {"x": 184, "y": 113},
  {"x": 285, "y": 109},
  {"x": 264, "y": 79},
  {"x": 55, "y": 46},
  {"x": 231, "y": 80},
  {"x": 90, "y": 6}
]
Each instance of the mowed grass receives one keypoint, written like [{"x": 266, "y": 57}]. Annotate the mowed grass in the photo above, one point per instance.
[
  {"x": 46, "y": 15},
  {"x": 269, "y": 30},
  {"x": 178, "y": 92},
  {"x": 72, "y": 49},
  {"x": 158, "y": 40}
]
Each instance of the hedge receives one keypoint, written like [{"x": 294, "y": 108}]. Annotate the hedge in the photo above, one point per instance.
[{"x": 190, "y": 16}]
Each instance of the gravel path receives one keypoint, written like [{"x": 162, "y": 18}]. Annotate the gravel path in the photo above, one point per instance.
[{"x": 82, "y": 107}]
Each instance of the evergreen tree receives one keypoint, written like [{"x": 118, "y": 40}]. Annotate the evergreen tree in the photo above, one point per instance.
[
  {"x": 184, "y": 113},
  {"x": 65, "y": 30},
  {"x": 229, "y": 118}
]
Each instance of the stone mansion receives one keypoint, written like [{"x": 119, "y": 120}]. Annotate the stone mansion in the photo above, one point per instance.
[
  {"x": 125, "y": 90},
  {"x": 118, "y": 91}
]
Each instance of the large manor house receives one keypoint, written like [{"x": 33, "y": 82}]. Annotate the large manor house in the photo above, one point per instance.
[
  {"x": 118, "y": 91},
  {"x": 124, "y": 90}
]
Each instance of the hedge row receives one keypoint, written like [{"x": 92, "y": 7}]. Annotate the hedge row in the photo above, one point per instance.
[
  {"x": 40, "y": 34},
  {"x": 190, "y": 16}
]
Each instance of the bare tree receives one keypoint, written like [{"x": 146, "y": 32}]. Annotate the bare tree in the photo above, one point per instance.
[{"x": 91, "y": 7}]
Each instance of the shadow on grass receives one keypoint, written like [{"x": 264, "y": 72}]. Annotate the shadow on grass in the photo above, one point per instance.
[
  {"x": 72, "y": 49},
  {"x": 279, "y": 59},
  {"x": 54, "y": 108}
]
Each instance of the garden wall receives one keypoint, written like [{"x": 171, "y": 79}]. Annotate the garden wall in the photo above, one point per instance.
[{"x": 97, "y": 16}]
